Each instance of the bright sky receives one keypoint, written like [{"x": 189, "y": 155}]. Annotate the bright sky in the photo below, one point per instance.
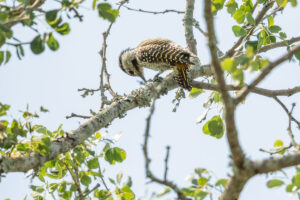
[{"x": 52, "y": 80}]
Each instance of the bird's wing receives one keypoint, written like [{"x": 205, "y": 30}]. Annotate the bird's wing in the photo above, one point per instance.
[{"x": 155, "y": 41}]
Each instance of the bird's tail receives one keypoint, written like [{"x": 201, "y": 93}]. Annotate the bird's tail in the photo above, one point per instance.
[{"x": 182, "y": 78}]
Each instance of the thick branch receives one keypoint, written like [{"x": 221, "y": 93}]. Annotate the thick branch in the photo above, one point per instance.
[
  {"x": 247, "y": 89},
  {"x": 276, "y": 163},
  {"x": 232, "y": 137},
  {"x": 138, "y": 98},
  {"x": 235, "y": 185},
  {"x": 188, "y": 25}
]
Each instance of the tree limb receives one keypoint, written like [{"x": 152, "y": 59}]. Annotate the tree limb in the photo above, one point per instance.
[
  {"x": 188, "y": 25},
  {"x": 257, "y": 90},
  {"x": 232, "y": 136},
  {"x": 149, "y": 173},
  {"x": 137, "y": 98},
  {"x": 247, "y": 89}
]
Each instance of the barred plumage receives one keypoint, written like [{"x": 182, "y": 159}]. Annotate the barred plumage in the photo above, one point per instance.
[{"x": 160, "y": 55}]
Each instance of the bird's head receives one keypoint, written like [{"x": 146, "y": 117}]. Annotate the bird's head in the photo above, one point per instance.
[{"x": 129, "y": 63}]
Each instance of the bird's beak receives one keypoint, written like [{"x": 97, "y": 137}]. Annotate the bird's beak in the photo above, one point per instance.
[{"x": 142, "y": 76}]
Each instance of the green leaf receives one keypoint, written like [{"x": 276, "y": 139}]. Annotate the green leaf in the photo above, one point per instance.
[
  {"x": 199, "y": 194},
  {"x": 52, "y": 42},
  {"x": 278, "y": 143},
  {"x": 37, "y": 45},
  {"x": 239, "y": 16},
  {"x": 195, "y": 92},
  {"x": 229, "y": 65},
  {"x": 93, "y": 163},
  {"x": 294, "y": 3},
  {"x": 274, "y": 29},
  {"x": 214, "y": 127},
  {"x": 222, "y": 182},
  {"x": 7, "y": 56},
  {"x": 250, "y": 19},
  {"x": 274, "y": 183},
  {"x": 296, "y": 180},
  {"x": 51, "y": 17},
  {"x": 4, "y": 16},
  {"x": 105, "y": 11},
  {"x": 270, "y": 21},
  {"x": 166, "y": 191},
  {"x": 94, "y": 4},
  {"x": 202, "y": 181},
  {"x": 289, "y": 188},
  {"x": 119, "y": 177},
  {"x": 238, "y": 76},
  {"x": 128, "y": 181},
  {"x": 238, "y": 31},
  {"x": 85, "y": 180},
  {"x": 282, "y": 35},
  {"x": 216, "y": 6},
  {"x": 231, "y": 6},
  {"x": 2, "y": 38},
  {"x": 1, "y": 57},
  {"x": 297, "y": 55},
  {"x": 281, "y": 3},
  {"x": 102, "y": 194},
  {"x": 115, "y": 154},
  {"x": 63, "y": 29}
]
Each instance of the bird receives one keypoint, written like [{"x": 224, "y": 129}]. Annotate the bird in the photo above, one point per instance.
[{"x": 158, "y": 54}]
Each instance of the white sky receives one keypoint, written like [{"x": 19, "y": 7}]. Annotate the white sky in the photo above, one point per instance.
[{"x": 52, "y": 80}]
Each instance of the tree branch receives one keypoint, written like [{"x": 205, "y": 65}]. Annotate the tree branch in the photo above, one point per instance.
[
  {"x": 276, "y": 163},
  {"x": 154, "y": 12},
  {"x": 103, "y": 67},
  {"x": 149, "y": 173},
  {"x": 232, "y": 137},
  {"x": 258, "y": 19},
  {"x": 257, "y": 90},
  {"x": 188, "y": 25},
  {"x": 247, "y": 89},
  {"x": 137, "y": 98},
  {"x": 23, "y": 10},
  {"x": 278, "y": 44}
]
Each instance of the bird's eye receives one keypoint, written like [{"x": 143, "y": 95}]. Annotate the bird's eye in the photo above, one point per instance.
[{"x": 131, "y": 72}]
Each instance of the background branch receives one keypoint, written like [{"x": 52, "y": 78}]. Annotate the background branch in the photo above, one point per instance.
[
  {"x": 149, "y": 173},
  {"x": 246, "y": 90},
  {"x": 188, "y": 25}
]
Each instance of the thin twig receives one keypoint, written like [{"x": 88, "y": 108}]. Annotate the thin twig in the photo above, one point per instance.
[
  {"x": 166, "y": 162},
  {"x": 276, "y": 152},
  {"x": 154, "y": 12},
  {"x": 103, "y": 64},
  {"x": 149, "y": 174},
  {"x": 75, "y": 177},
  {"x": 101, "y": 177},
  {"x": 76, "y": 115},
  {"x": 289, "y": 113},
  {"x": 94, "y": 188}
]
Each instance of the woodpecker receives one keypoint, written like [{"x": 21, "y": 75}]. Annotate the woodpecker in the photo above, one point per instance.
[{"x": 160, "y": 55}]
